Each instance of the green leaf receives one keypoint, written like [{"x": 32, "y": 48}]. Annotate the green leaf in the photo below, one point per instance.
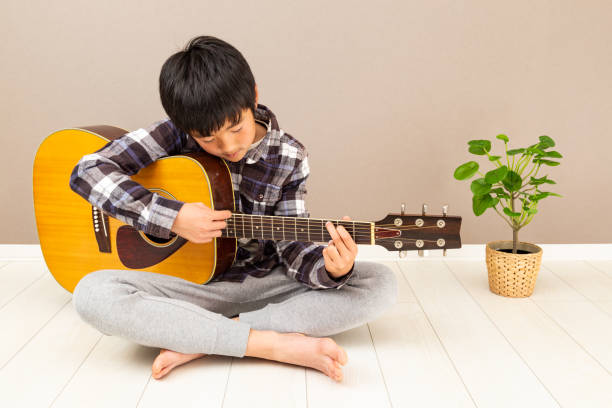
[
  {"x": 493, "y": 158},
  {"x": 466, "y": 170},
  {"x": 502, "y": 137},
  {"x": 537, "y": 181},
  {"x": 501, "y": 193},
  {"x": 508, "y": 212},
  {"x": 512, "y": 181},
  {"x": 552, "y": 153},
  {"x": 543, "y": 194},
  {"x": 479, "y": 142},
  {"x": 481, "y": 202},
  {"x": 483, "y": 143},
  {"x": 497, "y": 175},
  {"x": 515, "y": 151},
  {"x": 535, "y": 150},
  {"x": 549, "y": 162},
  {"x": 480, "y": 187},
  {"x": 479, "y": 147},
  {"x": 543, "y": 180},
  {"x": 546, "y": 142}
]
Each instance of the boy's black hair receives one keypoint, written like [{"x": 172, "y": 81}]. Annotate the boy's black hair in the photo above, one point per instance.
[{"x": 205, "y": 85}]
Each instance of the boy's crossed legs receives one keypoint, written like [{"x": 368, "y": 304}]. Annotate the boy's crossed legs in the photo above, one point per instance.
[{"x": 276, "y": 318}]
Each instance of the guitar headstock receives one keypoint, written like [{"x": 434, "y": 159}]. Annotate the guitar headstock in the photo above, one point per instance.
[{"x": 418, "y": 232}]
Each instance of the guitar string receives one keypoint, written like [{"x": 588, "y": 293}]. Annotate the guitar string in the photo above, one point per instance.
[
  {"x": 304, "y": 222},
  {"x": 269, "y": 228},
  {"x": 368, "y": 236},
  {"x": 314, "y": 229},
  {"x": 300, "y": 219},
  {"x": 311, "y": 227},
  {"x": 269, "y": 231}
]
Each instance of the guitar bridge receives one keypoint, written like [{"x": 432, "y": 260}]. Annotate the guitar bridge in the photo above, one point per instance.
[{"x": 101, "y": 228}]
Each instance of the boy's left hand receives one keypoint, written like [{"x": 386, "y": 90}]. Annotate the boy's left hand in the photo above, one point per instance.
[{"x": 341, "y": 252}]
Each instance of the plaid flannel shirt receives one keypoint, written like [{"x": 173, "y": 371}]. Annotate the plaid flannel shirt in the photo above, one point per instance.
[{"x": 269, "y": 180}]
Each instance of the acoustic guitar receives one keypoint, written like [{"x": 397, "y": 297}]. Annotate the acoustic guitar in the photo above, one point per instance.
[{"x": 77, "y": 238}]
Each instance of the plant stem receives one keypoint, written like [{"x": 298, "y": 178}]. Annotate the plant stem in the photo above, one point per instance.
[
  {"x": 514, "y": 230},
  {"x": 501, "y": 215},
  {"x": 534, "y": 167},
  {"x": 507, "y": 159},
  {"x": 525, "y": 164}
]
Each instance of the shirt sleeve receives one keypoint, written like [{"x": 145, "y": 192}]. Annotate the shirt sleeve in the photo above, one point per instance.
[
  {"x": 303, "y": 260},
  {"x": 103, "y": 178}
]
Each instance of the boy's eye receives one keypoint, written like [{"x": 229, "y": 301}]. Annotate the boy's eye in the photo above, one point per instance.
[{"x": 237, "y": 130}]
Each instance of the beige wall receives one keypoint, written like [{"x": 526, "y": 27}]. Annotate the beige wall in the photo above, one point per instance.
[{"x": 384, "y": 94}]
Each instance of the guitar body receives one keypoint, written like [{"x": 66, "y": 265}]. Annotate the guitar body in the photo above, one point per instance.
[{"x": 77, "y": 239}]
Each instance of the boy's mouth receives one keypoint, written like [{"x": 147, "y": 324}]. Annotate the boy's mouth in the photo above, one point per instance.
[{"x": 233, "y": 155}]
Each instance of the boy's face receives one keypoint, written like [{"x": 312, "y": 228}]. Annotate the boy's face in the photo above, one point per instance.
[{"x": 231, "y": 142}]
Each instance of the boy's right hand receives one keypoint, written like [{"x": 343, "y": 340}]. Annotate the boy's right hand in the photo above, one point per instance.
[{"x": 198, "y": 223}]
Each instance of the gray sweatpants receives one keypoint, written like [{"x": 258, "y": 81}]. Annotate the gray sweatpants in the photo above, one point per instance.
[{"x": 163, "y": 311}]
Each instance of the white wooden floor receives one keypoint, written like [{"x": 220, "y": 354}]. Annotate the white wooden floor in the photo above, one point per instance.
[{"x": 448, "y": 342}]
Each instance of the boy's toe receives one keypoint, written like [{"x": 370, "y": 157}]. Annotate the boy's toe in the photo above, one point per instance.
[{"x": 341, "y": 357}]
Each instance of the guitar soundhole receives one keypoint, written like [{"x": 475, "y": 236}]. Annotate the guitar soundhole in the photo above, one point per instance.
[{"x": 158, "y": 240}]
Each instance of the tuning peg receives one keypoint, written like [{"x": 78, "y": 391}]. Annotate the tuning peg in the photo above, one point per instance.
[
  {"x": 402, "y": 254},
  {"x": 403, "y": 208},
  {"x": 445, "y": 210},
  {"x": 424, "y": 209},
  {"x": 423, "y": 252}
]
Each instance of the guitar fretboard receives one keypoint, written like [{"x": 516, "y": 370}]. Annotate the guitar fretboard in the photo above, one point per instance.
[{"x": 279, "y": 228}]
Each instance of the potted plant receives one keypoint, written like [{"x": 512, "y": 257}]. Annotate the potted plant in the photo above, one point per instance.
[{"x": 512, "y": 265}]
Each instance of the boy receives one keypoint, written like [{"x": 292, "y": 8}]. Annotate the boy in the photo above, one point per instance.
[{"x": 276, "y": 297}]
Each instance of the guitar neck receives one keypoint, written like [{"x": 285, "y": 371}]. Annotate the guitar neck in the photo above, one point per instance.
[{"x": 279, "y": 228}]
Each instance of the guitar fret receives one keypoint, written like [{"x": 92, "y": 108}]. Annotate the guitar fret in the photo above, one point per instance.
[
  {"x": 252, "y": 230},
  {"x": 295, "y": 227},
  {"x": 283, "y": 218},
  {"x": 243, "y": 232},
  {"x": 261, "y": 226},
  {"x": 308, "y": 227},
  {"x": 323, "y": 222}
]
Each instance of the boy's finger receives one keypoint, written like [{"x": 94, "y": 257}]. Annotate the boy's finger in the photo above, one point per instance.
[
  {"x": 328, "y": 259},
  {"x": 335, "y": 236},
  {"x": 221, "y": 215},
  {"x": 218, "y": 225},
  {"x": 333, "y": 254},
  {"x": 349, "y": 242}
]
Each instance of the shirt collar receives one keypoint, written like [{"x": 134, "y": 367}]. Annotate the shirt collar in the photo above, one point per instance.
[{"x": 263, "y": 114}]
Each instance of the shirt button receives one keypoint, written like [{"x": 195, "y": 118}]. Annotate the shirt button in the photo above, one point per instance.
[{"x": 260, "y": 196}]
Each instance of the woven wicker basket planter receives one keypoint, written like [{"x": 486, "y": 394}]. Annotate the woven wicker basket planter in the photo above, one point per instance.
[{"x": 513, "y": 275}]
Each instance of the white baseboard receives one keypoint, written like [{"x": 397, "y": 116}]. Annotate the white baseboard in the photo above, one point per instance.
[
  {"x": 20, "y": 252},
  {"x": 477, "y": 251},
  {"x": 378, "y": 253}
]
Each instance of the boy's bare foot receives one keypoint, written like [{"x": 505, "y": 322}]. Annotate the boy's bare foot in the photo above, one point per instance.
[
  {"x": 168, "y": 359},
  {"x": 322, "y": 354}
]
